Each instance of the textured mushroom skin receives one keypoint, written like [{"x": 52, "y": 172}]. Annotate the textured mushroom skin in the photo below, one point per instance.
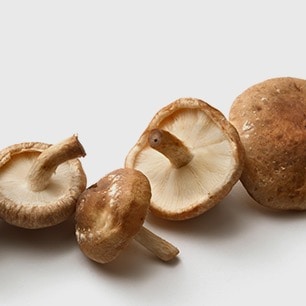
[
  {"x": 111, "y": 212},
  {"x": 271, "y": 119}
]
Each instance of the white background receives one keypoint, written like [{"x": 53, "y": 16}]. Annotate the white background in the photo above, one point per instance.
[{"x": 102, "y": 69}]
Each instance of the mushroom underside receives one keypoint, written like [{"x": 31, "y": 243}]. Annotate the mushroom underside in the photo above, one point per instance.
[
  {"x": 21, "y": 206},
  {"x": 205, "y": 179}
]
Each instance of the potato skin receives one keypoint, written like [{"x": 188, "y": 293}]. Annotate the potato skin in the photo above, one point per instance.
[{"x": 270, "y": 118}]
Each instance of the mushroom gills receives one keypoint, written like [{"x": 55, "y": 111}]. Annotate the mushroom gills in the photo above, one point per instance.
[
  {"x": 208, "y": 170},
  {"x": 14, "y": 186},
  {"x": 40, "y": 183}
]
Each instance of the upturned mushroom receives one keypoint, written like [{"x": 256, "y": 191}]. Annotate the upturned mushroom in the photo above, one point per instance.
[
  {"x": 40, "y": 183},
  {"x": 270, "y": 118},
  {"x": 192, "y": 157},
  {"x": 111, "y": 213}
]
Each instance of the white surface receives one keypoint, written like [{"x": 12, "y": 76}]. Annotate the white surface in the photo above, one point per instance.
[{"x": 102, "y": 70}]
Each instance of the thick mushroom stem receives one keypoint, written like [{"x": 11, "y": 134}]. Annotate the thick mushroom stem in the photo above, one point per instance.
[
  {"x": 158, "y": 246},
  {"x": 170, "y": 146},
  {"x": 41, "y": 171}
]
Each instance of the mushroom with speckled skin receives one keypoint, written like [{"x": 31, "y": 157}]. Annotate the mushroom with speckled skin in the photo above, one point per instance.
[
  {"x": 111, "y": 213},
  {"x": 270, "y": 117},
  {"x": 40, "y": 183},
  {"x": 192, "y": 157}
]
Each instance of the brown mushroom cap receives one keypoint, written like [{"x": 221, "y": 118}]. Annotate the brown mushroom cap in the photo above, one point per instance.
[
  {"x": 270, "y": 117},
  {"x": 23, "y": 207},
  {"x": 211, "y": 164},
  {"x": 111, "y": 212}
]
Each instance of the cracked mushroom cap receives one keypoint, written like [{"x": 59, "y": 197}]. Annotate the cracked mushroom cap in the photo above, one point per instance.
[
  {"x": 204, "y": 162},
  {"x": 25, "y": 207},
  {"x": 270, "y": 117},
  {"x": 110, "y": 213}
]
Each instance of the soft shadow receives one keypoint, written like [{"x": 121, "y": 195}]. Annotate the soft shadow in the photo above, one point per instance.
[
  {"x": 220, "y": 221},
  {"x": 261, "y": 211},
  {"x": 133, "y": 263},
  {"x": 227, "y": 218},
  {"x": 54, "y": 239}
]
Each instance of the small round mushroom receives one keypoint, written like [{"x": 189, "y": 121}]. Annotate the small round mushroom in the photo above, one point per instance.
[
  {"x": 40, "y": 183},
  {"x": 192, "y": 157},
  {"x": 270, "y": 118},
  {"x": 110, "y": 213}
]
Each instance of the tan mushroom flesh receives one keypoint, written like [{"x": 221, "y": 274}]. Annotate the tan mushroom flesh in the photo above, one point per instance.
[
  {"x": 110, "y": 213},
  {"x": 192, "y": 157},
  {"x": 270, "y": 117},
  {"x": 40, "y": 183}
]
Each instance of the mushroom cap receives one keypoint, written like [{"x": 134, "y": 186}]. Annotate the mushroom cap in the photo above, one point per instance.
[
  {"x": 28, "y": 209},
  {"x": 270, "y": 117},
  {"x": 111, "y": 212},
  {"x": 189, "y": 191}
]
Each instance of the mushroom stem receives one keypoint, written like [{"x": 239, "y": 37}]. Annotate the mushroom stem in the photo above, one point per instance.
[
  {"x": 170, "y": 146},
  {"x": 158, "y": 246},
  {"x": 45, "y": 165}
]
